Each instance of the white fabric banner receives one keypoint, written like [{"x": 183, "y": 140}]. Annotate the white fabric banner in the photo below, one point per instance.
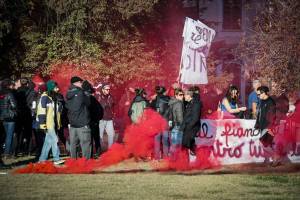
[
  {"x": 196, "y": 44},
  {"x": 235, "y": 141}
]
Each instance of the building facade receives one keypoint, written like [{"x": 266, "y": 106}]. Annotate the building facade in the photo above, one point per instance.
[{"x": 232, "y": 19}]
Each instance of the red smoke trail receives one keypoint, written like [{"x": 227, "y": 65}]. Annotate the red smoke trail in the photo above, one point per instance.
[
  {"x": 289, "y": 140},
  {"x": 181, "y": 162},
  {"x": 138, "y": 142}
]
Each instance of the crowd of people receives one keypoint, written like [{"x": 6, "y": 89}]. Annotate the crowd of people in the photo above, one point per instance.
[{"x": 34, "y": 118}]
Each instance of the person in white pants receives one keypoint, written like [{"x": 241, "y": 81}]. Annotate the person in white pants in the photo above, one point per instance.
[
  {"x": 106, "y": 123},
  {"x": 108, "y": 126}
]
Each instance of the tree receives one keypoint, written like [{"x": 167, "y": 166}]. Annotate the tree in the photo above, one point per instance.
[
  {"x": 81, "y": 32},
  {"x": 273, "y": 48},
  {"x": 124, "y": 40}
]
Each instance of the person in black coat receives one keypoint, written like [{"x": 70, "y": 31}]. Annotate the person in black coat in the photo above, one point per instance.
[
  {"x": 78, "y": 102},
  {"x": 96, "y": 114},
  {"x": 266, "y": 116},
  {"x": 24, "y": 97},
  {"x": 191, "y": 119},
  {"x": 161, "y": 105},
  {"x": 266, "y": 119}
]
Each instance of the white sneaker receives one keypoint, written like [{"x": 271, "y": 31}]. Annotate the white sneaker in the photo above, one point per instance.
[
  {"x": 58, "y": 162},
  {"x": 192, "y": 157}
]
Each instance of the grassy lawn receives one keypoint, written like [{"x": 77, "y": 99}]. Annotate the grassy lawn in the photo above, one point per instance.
[{"x": 115, "y": 183}]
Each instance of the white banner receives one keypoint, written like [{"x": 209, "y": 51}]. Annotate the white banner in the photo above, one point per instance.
[
  {"x": 196, "y": 44},
  {"x": 235, "y": 141}
]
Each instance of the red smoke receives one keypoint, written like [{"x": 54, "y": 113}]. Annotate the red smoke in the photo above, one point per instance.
[
  {"x": 181, "y": 160},
  {"x": 287, "y": 141},
  {"x": 62, "y": 73},
  {"x": 138, "y": 143}
]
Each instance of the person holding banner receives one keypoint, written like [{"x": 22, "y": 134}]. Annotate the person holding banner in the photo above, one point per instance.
[{"x": 229, "y": 103}]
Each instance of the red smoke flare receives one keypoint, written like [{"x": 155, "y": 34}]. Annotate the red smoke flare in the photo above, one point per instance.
[{"x": 138, "y": 142}]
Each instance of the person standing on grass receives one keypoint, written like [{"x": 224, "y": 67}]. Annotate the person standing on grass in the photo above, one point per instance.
[
  {"x": 8, "y": 113},
  {"x": 96, "y": 113},
  {"x": 175, "y": 121},
  {"x": 161, "y": 105},
  {"x": 266, "y": 119},
  {"x": 106, "y": 123},
  {"x": 48, "y": 119},
  {"x": 39, "y": 134},
  {"x": 78, "y": 102},
  {"x": 191, "y": 121},
  {"x": 24, "y": 119}
]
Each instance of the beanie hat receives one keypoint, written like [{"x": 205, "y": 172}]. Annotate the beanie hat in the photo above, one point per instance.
[
  {"x": 75, "y": 79},
  {"x": 51, "y": 85}
]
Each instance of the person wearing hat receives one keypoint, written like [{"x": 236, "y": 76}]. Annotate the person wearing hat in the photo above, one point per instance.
[
  {"x": 106, "y": 123},
  {"x": 48, "y": 119},
  {"x": 77, "y": 103}
]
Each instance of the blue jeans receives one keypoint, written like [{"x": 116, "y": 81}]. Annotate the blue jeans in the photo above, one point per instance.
[
  {"x": 164, "y": 138},
  {"x": 9, "y": 130},
  {"x": 176, "y": 141},
  {"x": 50, "y": 143}
]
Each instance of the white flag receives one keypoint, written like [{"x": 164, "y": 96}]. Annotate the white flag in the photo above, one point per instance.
[{"x": 196, "y": 45}]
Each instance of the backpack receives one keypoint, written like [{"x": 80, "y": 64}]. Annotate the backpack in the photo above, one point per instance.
[{"x": 137, "y": 110}]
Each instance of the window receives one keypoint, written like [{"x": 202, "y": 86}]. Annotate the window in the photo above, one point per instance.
[{"x": 232, "y": 14}]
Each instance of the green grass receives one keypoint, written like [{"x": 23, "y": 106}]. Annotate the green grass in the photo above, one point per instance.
[
  {"x": 151, "y": 185},
  {"x": 136, "y": 180}
]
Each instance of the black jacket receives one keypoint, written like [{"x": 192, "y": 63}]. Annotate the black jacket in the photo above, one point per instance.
[
  {"x": 107, "y": 103},
  {"x": 266, "y": 116},
  {"x": 8, "y": 107},
  {"x": 78, "y": 103},
  {"x": 160, "y": 104},
  {"x": 96, "y": 110},
  {"x": 61, "y": 106},
  {"x": 176, "y": 112},
  {"x": 191, "y": 123},
  {"x": 23, "y": 98}
]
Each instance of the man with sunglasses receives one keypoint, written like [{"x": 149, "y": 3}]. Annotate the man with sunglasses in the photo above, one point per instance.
[
  {"x": 106, "y": 123},
  {"x": 266, "y": 118},
  {"x": 175, "y": 121}
]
